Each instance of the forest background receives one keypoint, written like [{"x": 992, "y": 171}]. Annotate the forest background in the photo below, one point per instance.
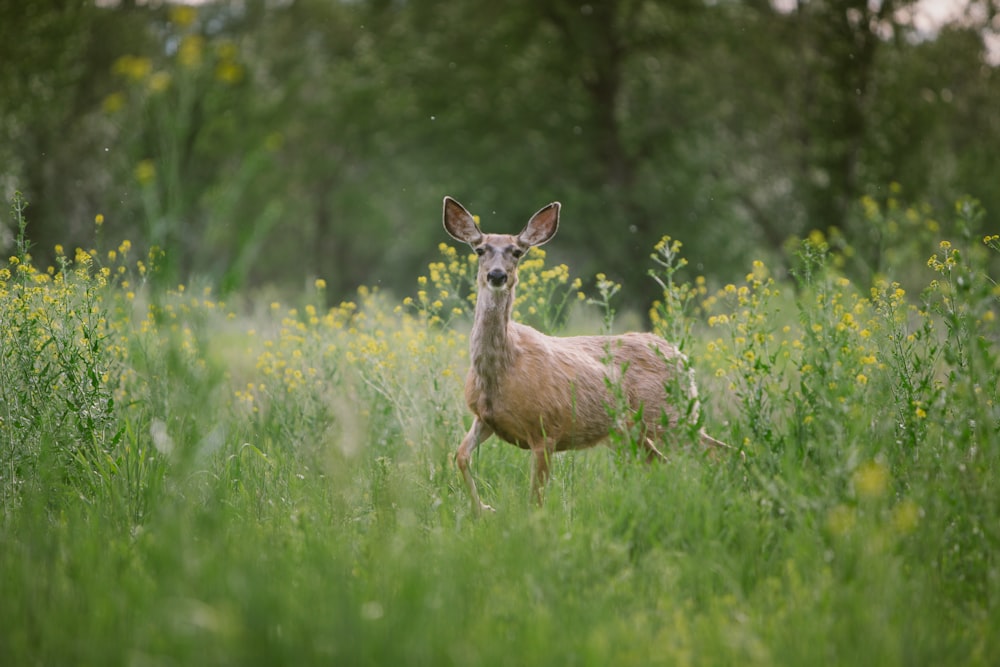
[{"x": 273, "y": 143}]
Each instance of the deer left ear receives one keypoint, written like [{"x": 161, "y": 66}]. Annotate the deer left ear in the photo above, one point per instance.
[{"x": 542, "y": 226}]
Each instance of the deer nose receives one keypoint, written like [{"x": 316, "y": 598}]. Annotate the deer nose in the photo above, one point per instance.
[{"x": 496, "y": 277}]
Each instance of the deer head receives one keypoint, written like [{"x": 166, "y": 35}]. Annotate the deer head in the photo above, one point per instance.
[{"x": 499, "y": 254}]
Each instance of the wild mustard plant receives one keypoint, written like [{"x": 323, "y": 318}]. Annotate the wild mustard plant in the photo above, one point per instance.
[
  {"x": 607, "y": 289},
  {"x": 60, "y": 368},
  {"x": 964, "y": 294},
  {"x": 838, "y": 363},
  {"x": 892, "y": 234},
  {"x": 413, "y": 367},
  {"x": 102, "y": 377},
  {"x": 673, "y": 315},
  {"x": 747, "y": 352},
  {"x": 544, "y": 294},
  {"x": 384, "y": 375},
  {"x": 909, "y": 348},
  {"x": 447, "y": 291},
  {"x": 966, "y": 298},
  {"x": 873, "y": 519},
  {"x": 624, "y": 437},
  {"x": 300, "y": 359},
  {"x": 176, "y": 109}
]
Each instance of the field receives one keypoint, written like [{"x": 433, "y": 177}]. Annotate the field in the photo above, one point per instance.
[{"x": 185, "y": 480}]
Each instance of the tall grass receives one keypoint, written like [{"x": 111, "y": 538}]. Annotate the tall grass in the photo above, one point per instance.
[{"x": 185, "y": 484}]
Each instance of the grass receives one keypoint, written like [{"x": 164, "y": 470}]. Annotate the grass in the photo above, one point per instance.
[{"x": 181, "y": 483}]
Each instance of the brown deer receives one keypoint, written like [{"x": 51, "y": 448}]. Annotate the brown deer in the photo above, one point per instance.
[{"x": 550, "y": 394}]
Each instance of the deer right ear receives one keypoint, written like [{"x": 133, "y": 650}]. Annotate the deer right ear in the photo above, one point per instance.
[{"x": 460, "y": 224}]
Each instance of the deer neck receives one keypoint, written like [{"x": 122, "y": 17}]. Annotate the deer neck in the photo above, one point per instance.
[{"x": 490, "y": 345}]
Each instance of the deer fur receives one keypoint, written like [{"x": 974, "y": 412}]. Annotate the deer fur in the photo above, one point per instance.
[{"x": 550, "y": 394}]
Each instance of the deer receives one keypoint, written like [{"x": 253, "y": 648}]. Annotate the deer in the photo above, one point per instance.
[{"x": 549, "y": 394}]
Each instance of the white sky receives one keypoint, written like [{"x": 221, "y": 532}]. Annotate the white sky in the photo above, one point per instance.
[{"x": 928, "y": 14}]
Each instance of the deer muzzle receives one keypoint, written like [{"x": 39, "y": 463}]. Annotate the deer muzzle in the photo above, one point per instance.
[{"x": 496, "y": 278}]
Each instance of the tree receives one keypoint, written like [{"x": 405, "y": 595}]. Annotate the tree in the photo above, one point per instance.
[{"x": 53, "y": 72}]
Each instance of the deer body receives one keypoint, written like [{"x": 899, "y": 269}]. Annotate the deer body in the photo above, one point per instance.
[
  {"x": 549, "y": 394},
  {"x": 556, "y": 389}
]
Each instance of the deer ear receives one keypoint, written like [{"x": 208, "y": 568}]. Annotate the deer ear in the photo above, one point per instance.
[
  {"x": 459, "y": 223},
  {"x": 542, "y": 226}
]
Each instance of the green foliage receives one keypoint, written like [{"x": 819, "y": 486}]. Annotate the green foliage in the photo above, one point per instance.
[{"x": 183, "y": 483}]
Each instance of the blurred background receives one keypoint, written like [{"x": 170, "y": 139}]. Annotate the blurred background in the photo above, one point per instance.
[{"x": 272, "y": 142}]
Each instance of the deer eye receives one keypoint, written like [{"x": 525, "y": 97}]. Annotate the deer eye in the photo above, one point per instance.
[
  {"x": 517, "y": 252},
  {"x": 480, "y": 251}
]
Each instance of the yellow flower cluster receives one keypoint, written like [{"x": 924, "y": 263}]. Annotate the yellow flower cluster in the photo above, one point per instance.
[
  {"x": 133, "y": 68},
  {"x": 904, "y": 230},
  {"x": 841, "y": 345},
  {"x": 945, "y": 259},
  {"x": 959, "y": 272},
  {"x": 190, "y": 54},
  {"x": 749, "y": 346},
  {"x": 183, "y": 15},
  {"x": 871, "y": 482},
  {"x": 543, "y": 294},
  {"x": 447, "y": 291},
  {"x": 672, "y": 314},
  {"x": 835, "y": 358},
  {"x": 67, "y": 331},
  {"x": 300, "y": 366}
]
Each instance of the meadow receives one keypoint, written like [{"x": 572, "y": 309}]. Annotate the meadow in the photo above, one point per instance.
[{"x": 186, "y": 479}]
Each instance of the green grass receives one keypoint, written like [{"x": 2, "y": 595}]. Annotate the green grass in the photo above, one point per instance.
[{"x": 182, "y": 484}]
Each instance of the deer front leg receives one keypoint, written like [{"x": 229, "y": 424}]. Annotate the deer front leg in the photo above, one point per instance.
[
  {"x": 540, "y": 472},
  {"x": 477, "y": 433}
]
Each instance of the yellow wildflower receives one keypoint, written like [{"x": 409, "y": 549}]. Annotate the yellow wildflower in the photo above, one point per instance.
[
  {"x": 871, "y": 480},
  {"x": 145, "y": 171},
  {"x": 190, "y": 51},
  {"x": 183, "y": 15},
  {"x": 905, "y": 517}
]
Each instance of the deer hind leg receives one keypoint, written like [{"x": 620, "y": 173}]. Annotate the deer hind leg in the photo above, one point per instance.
[
  {"x": 477, "y": 434},
  {"x": 645, "y": 441},
  {"x": 652, "y": 453},
  {"x": 715, "y": 448}
]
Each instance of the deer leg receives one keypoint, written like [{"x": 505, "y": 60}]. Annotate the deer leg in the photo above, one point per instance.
[
  {"x": 540, "y": 472},
  {"x": 653, "y": 454},
  {"x": 644, "y": 440},
  {"x": 713, "y": 446},
  {"x": 716, "y": 447},
  {"x": 472, "y": 439}
]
